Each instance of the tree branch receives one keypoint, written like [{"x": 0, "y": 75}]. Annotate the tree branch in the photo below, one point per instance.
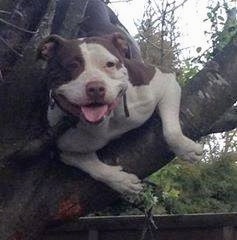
[
  {"x": 227, "y": 122},
  {"x": 16, "y": 27}
]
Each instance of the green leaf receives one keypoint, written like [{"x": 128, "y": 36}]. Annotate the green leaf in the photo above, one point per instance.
[{"x": 199, "y": 49}]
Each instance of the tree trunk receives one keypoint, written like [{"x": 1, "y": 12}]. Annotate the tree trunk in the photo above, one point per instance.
[{"x": 40, "y": 190}]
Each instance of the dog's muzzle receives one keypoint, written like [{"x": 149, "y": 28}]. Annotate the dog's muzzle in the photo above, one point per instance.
[{"x": 96, "y": 110}]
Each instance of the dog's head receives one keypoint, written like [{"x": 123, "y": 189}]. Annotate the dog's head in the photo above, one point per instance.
[{"x": 88, "y": 75}]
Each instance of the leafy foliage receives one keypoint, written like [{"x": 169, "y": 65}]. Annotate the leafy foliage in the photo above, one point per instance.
[
  {"x": 184, "y": 188},
  {"x": 204, "y": 187},
  {"x": 223, "y": 27},
  {"x": 187, "y": 71}
]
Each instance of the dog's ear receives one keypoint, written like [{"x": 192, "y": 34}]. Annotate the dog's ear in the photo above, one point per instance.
[
  {"x": 121, "y": 44},
  {"x": 47, "y": 48}
]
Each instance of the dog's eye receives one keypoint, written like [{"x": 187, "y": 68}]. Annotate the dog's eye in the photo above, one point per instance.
[{"x": 110, "y": 64}]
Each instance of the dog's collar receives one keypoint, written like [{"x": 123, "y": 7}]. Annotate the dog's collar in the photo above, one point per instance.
[
  {"x": 125, "y": 105},
  {"x": 52, "y": 103}
]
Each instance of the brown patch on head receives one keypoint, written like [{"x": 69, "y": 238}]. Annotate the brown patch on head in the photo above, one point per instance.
[
  {"x": 64, "y": 57},
  {"x": 114, "y": 43}
]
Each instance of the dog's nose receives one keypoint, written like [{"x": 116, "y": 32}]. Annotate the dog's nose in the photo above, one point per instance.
[{"x": 95, "y": 90}]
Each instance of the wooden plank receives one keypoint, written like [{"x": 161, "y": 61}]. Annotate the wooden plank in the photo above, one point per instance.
[
  {"x": 93, "y": 234},
  {"x": 178, "y": 227},
  {"x": 163, "y": 222}
]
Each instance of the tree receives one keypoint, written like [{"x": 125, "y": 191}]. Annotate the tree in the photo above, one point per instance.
[
  {"x": 38, "y": 190},
  {"x": 157, "y": 34}
]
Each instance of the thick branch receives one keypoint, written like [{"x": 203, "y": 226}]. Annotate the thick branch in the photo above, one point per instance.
[{"x": 226, "y": 122}]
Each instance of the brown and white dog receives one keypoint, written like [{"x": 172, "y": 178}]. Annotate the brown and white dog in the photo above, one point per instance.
[{"x": 88, "y": 79}]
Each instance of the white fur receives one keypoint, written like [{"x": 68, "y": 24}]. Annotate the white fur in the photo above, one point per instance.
[{"x": 80, "y": 144}]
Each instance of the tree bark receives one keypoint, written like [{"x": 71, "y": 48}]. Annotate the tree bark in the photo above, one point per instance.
[
  {"x": 227, "y": 122},
  {"x": 40, "y": 190}
]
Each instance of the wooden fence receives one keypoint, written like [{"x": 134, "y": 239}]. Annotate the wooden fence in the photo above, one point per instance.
[{"x": 174, "y": 227}]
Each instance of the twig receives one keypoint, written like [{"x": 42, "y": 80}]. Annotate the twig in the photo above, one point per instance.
[
  {"x": 5, "y": 12},
  {"x": 181, "y": 4},
  {"x": 83, "y": 18},
  {"x": 145, "y": 201},
  {"x": 17, "y": 27},
  {"x": 12, "y": 49},
  {"x": 174, "y": 8}
]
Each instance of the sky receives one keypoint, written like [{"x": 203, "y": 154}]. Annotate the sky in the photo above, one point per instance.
[{"x": 190, "y": 22}]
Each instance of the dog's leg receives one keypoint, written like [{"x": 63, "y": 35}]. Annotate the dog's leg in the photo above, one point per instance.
[
  {"x": 169, "y": 107},
  {"x": 113, "y": 176}
]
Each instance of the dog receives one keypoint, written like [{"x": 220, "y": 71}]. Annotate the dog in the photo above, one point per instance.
[{"x": 89, "y": 78}]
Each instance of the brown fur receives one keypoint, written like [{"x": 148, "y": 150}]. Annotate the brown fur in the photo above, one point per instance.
[
  {"x": 64, "y": 58},
  {"x": 139, "y": 72}
]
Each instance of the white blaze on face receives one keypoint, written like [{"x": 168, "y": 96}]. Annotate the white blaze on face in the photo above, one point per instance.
[{"x": 96, "y": 57}]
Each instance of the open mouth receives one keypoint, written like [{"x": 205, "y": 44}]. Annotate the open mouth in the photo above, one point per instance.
[{"x": 93, "y": 113}]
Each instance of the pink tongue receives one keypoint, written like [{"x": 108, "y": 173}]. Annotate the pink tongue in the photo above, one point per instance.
[{"x": 94, "y": 114}]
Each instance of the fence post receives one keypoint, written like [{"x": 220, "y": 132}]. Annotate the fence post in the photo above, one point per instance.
[
  {"x": 93, "y": 234},
  {"x": 228, "y": 233}
]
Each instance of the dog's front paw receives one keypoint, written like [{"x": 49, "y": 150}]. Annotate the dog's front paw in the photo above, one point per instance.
[
  {"x": 123, "y": 182},
  {"x": 187, "y": 149}
]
